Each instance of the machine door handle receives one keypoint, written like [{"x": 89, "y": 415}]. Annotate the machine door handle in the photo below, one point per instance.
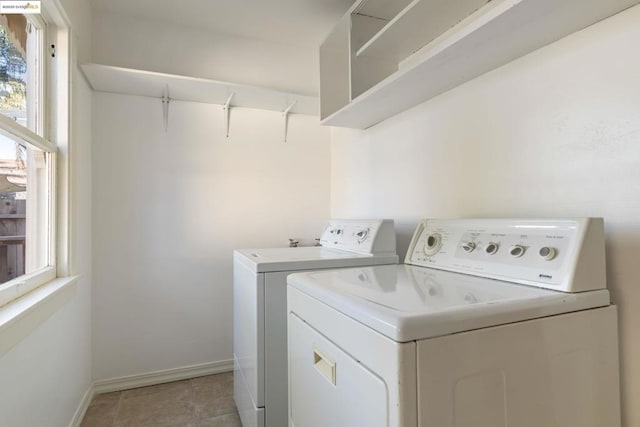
[{"x": 325, "y": 366}]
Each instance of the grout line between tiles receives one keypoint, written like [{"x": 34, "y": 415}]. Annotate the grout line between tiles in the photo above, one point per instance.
[
  {"x": 192, "y": 402},
  {"x": 115, "y": 419}
]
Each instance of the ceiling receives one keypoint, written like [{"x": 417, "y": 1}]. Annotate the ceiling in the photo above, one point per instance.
[{"x": 295, "y": 22}]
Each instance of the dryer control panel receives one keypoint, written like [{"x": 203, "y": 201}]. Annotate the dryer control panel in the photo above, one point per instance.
[
  {"x": 562, "y": 254},
  {"x": 363, "y": 236}
]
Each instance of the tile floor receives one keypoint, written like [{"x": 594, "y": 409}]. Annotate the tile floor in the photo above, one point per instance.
[{"x": 198, "y": 402}]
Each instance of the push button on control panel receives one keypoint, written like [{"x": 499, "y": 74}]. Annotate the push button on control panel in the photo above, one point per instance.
[
  {"x": 517, "y": 251},
  {"x": 547, "y": 253},
  {"x": 491, "y": 248}
]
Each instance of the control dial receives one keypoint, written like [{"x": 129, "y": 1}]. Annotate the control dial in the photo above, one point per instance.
[
  {"x": 547, "y": 253},
  {"x": 432, "y": 244},
  {"x": 362, "y": 235},
  {"x": 491, "y": 248},
  {"x": 517, "y": 251},
  {"x": 468, "y": 247}
]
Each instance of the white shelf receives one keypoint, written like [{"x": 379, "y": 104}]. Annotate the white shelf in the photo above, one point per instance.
[
  {"x": 106, "y": 78},
  {"x": 381, "y": 9},
  {"x": 496, "y": 34},
  {"x": 416, "y": 25}
]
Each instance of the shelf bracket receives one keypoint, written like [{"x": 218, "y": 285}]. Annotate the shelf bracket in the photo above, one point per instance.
[
  {"x": 165, "y": 107},
  {"x": 227, "y": 113},
  {"x": 285, "y": 114}
]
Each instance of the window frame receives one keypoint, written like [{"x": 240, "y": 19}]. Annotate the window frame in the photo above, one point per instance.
[{"x": 50, "y": 127}]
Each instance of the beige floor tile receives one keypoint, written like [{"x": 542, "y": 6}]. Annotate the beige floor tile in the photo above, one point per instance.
[
  {"x": 228, "y": 420},
  {"x": 97, "y": 420},
  {"x": 224, "y": 378},
  {"x": 154, "y": 389},
  {"x": 105, "y": 398},
  {"x": 165, "y": 406},
  {"x": 156, "y": 420},
  {"x": 220, "y": 385},
  {"x": 211, "y": 403},
  {"x": 102, "y": 410}
]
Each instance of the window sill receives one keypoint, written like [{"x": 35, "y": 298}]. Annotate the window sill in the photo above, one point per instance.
[{"x": 18, "y": 318}]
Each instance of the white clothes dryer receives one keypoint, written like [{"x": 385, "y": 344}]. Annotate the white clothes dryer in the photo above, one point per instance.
[
  {"x": 260, "y": 314},
  {"x": 489, "y": 323}
]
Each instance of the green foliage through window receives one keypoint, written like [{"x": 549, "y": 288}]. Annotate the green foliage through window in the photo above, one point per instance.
[{"x": 13, "y": 72}]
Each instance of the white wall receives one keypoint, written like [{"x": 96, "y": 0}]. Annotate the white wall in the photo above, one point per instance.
[
  {"x": 556, "y": 133},
  {"x": 46, "y": 375},
  {"x": 155, "y": 46},
  {"x": 79, "y": 14},
  {"x": 169, "y": 208}
]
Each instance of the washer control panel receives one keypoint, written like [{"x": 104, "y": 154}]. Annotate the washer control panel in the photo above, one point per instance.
[
  {"x": 562, "y": 254},
  {"x": 362, "y": 236}
]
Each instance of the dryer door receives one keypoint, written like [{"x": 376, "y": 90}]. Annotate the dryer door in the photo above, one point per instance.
[{"x": 327, "y": 387}]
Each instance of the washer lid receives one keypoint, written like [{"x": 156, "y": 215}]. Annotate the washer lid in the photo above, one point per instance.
[
  {"x": 408, "y": 303},
  {"x": 306, "y": 258}
]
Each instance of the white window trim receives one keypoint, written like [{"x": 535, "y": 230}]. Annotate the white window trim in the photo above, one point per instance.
[
  {"x": 16, "y": 288},
  {"x": 61, "y": 91},
  {"x": 26, "y": 283},
  {"x": 12, "y": 129},
  {"x": 20, "y": 316}
]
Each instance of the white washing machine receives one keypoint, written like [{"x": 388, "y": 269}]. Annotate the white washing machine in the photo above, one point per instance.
[
  {"x": 489, "y": 323},
  {"x": 260, "y": 314}
]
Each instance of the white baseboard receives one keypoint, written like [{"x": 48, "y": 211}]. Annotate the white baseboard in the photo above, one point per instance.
[
  {"x": 159, "y": 377},
  {"x": 82, "y": 408}
]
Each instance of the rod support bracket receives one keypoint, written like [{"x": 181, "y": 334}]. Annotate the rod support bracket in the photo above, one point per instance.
[
  {"x": 285, "y": 115},
  {"x": 227, "y": 113}
]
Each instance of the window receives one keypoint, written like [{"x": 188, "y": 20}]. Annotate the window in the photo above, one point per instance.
[{"x": 27, "y": 158}]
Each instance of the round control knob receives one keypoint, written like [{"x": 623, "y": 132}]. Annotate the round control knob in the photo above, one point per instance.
[
  {"x": 362, "y": 235},
  {"x": 468, "y": 247},
  {"x": 517, "y": 251},
  {"x": 491, "y": 248},
  {"x": 432, "y": 245},
  {"x": 547, "y": 253}
]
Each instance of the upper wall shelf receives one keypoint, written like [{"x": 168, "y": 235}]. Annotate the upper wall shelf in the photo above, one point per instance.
[
  {"x": 380, "y": 61},
  {"x": 106, "y": 78},
  {"x": 418, "y": 23}
]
